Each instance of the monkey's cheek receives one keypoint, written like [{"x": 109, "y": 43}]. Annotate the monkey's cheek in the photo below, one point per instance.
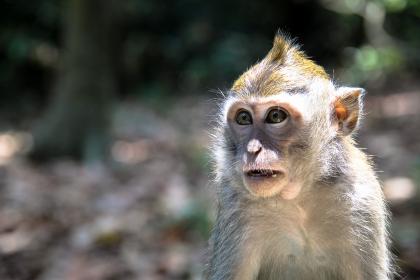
[
  {"x": 291, "y": 190},
  {"x": 264, "y": 187}
]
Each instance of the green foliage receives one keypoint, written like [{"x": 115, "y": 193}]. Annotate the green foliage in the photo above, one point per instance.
[
  {"x": 371, "y": 63},
  {"x": 395, "y": 5}
]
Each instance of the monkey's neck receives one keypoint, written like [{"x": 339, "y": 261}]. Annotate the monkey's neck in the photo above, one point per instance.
[{"x": 313, "y": 193}]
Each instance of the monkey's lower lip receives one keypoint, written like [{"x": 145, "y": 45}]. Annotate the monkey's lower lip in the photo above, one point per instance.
[{"x": 263, "y": 173}]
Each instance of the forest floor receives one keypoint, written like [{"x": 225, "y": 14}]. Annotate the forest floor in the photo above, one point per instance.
[{"x": 148, "y": 214}]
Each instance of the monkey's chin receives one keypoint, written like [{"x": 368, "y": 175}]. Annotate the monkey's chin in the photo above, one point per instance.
[
  {"x": 265, "y": 186},
  {"x": 269, "y": 187}
]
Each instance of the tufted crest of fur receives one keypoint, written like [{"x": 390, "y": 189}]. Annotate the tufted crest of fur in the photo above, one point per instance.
[
  {"x": 285, "y": 68},
  {"x": 336, "y": 227}
]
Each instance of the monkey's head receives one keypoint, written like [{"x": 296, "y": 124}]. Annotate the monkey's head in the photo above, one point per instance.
[{"x": 285, "y": 125}]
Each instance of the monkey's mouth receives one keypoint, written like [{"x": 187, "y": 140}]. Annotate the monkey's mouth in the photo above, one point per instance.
[{"x": 263, "y": 173}]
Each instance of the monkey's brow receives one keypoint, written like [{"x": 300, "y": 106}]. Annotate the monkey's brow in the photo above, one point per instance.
[{"x": 297, "y": 90}]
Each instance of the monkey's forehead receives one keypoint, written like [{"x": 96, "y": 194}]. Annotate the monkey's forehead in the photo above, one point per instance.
[{"x": 267, "y": 81}]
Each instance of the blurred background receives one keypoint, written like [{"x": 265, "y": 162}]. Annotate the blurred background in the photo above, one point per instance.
[{"x": 106, "y": 108}]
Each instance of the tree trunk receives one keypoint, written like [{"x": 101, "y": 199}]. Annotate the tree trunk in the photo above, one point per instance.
[{"x": 76, "y": 123}]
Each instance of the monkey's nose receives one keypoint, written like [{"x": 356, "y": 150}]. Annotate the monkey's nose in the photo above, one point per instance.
[{"x": 254, "y": 146}]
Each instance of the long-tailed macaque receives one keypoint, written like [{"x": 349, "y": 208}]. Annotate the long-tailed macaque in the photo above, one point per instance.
[{"x": 297, "y": 199}]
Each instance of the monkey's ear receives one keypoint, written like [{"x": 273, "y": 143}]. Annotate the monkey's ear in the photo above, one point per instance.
[{"x": 347, "y": 109}]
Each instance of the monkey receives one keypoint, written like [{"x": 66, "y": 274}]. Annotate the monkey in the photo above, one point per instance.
[{"x": 297, "y": 199}]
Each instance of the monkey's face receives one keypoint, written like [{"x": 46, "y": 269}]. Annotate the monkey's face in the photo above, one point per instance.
[
  {"x": 285, "y": 121},
  {"x": 282, "y": 142},
  {"x": 264, "y": 132}
]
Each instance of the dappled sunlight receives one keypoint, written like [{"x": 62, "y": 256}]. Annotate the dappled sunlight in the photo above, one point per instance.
[
  {"x": 13, "y": 143},
  {"x": 399, "y": 189}
]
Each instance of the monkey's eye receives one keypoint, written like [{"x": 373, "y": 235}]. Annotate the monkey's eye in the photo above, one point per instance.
[
  {"x": 243, "y": 118},
  {"x": 276, "y": 116}
]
